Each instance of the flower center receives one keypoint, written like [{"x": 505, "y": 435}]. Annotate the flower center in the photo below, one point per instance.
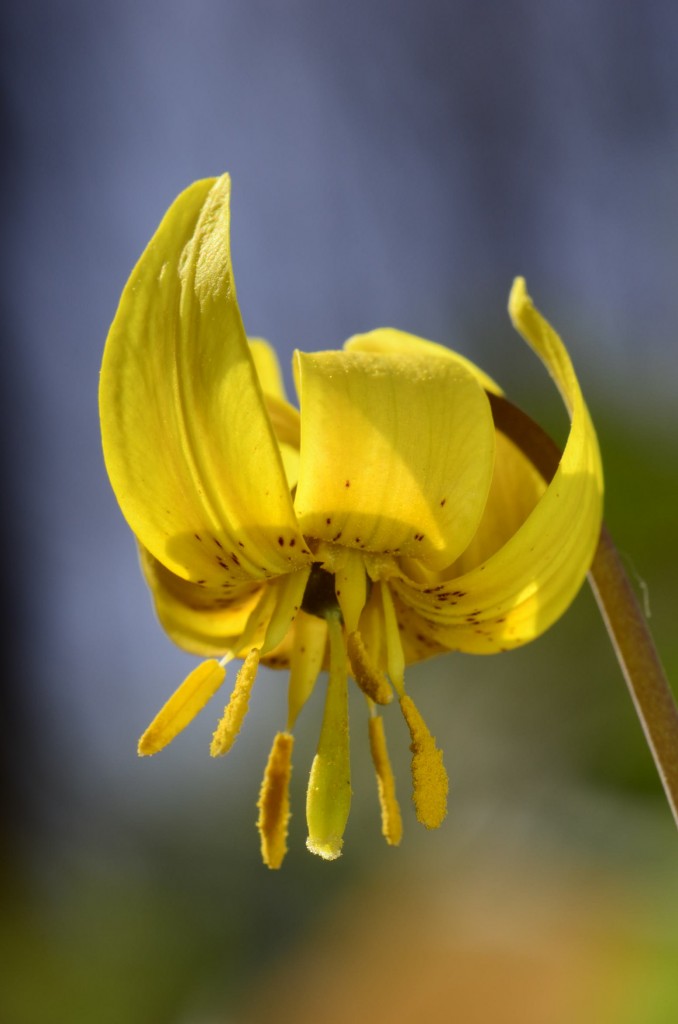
[{"x": 320, "y": 598}]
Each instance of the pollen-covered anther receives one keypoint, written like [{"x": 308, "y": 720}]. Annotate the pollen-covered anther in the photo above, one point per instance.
[
  {"x": 391, "y": 819},
  {"x": 429, "y": 778},
  {"x": 182, "y": 707},
  {"x": 274, "y": 801},
  {"x": 371, "y": 681},
  {"x": 227, "y": 731}
]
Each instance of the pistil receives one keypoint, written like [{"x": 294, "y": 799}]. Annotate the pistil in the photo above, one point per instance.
[{"x": 328, "y": 799}]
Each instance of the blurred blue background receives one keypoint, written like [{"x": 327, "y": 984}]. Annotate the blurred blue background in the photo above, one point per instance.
[{"x": 393, "y": 164}]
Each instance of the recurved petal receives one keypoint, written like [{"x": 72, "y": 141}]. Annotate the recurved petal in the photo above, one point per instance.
[
  {"x": 389, "y": 341},
  {"x": 515, "y": 490},
  {"x": 396, "y": 452},
  {"x": 283, "y": 416},
  {"x": 203, "y": 620},
  {"x": 188, "y": 444},
  {"x": 268, "y": 368},
  {"x": 520, "y": 590}
]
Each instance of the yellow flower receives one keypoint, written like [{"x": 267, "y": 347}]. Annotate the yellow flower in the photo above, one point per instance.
[{"x": 388, "y": 521}]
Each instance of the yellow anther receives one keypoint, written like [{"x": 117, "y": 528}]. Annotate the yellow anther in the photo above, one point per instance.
[
  {"x": 371, "y": 681},
  {"x": 274, "y": 801},
  {"x": 183, "y": 706},
  {"x": 391, "y": 820},
  {"x": 234, "y": 714},
  {"x": 429, "y": 778},
  {"x": 328, "y": 799}
]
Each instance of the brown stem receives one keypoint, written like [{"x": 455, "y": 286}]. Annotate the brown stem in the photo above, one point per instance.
[
  {"x": 619, "y": 607},
  {"x": 637, "y": 655}
]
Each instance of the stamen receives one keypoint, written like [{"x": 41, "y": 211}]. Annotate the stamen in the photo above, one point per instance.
[
  {"x": 395, "y": 658},
  {"x": 372, "y": 628},
  {"x": 308, "y": 653},
  {"x": 328, "y": 799},
  {"x": 259, "y": 620},
  {"x": 182, "y": 707},
  {"x": 289, "y": 593},
  {"x": 429, "y": 778},
  {"x": 234, "y": 714},
  {"x": 371, "y": 681},
  {"x": 391, "y": 820},
  {"x": 351, "y": 587},
  {"x": 274, "y": 801}
]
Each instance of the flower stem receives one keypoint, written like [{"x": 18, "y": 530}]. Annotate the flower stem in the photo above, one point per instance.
[
  {"x": 630, "y": 635},
  {"x": 639, "y": 661}
]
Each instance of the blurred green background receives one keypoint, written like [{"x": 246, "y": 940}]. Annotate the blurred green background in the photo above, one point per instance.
[{"x": 393, "y": 164}]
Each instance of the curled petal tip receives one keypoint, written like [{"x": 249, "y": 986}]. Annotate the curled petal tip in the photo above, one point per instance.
[{"x": 517, "y": 297}]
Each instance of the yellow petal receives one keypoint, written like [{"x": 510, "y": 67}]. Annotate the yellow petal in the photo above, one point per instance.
[
  {"x": 188, "y": 444},
  {"x": 519, "y": 591},
  {"x": 538, "y": 333},
  {"x": 284, "y": 420},
  {"x": 396, "y": 453},
  {"x": 515, "y": 490},
  {"x": 200, "y": 619},
  {"x": 274, "y": 801},
  {"x": 182, "y": 707},
  {"x": 283, "y": 416},
  {"x": 387, "y": 340},
  {"x": 290, "y": 457},
  {"x": 268, "y": 368}
]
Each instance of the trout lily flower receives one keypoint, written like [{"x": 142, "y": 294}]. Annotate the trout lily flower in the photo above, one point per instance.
[{"x": 388, "y": 520}]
